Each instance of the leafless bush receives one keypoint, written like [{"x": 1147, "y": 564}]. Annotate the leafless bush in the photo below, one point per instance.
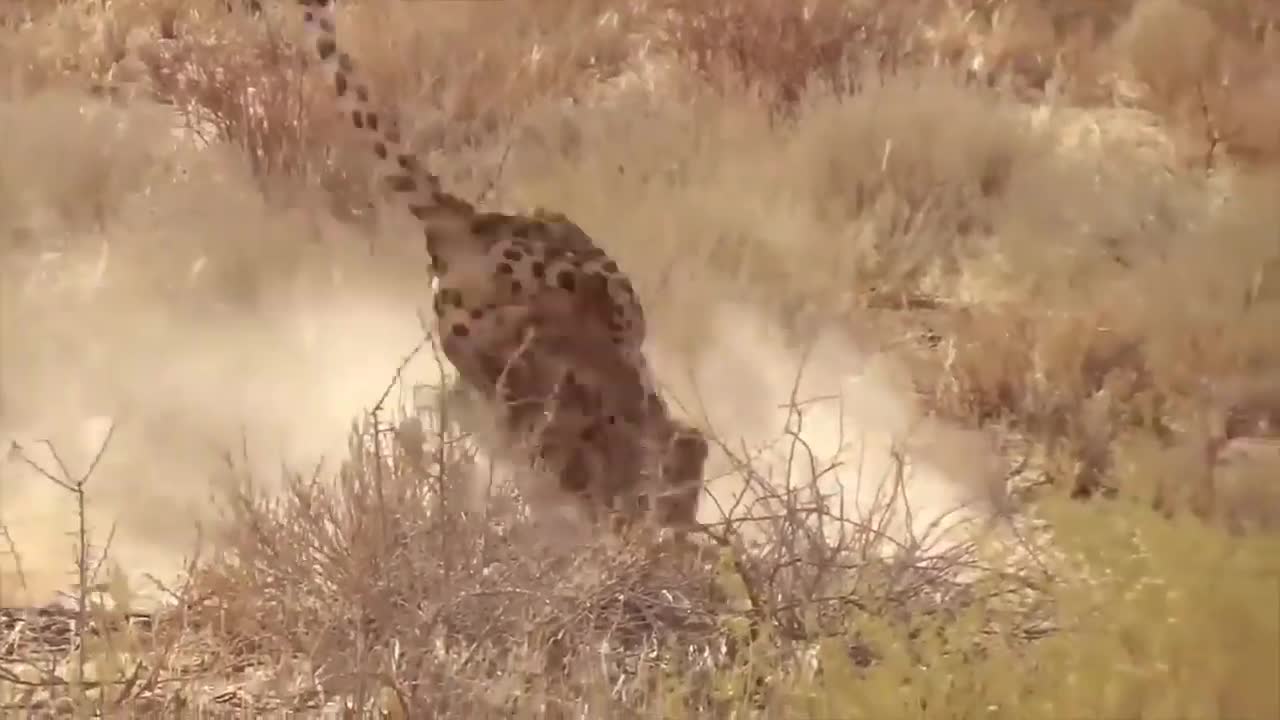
[
  {"x": 389, "y": 586},
  {"x": 95, "y": 652}
]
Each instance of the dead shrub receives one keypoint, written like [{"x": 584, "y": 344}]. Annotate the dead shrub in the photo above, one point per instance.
[
  {"x": 388, "y": 583},
  {"x": 1210, "y": 68}
]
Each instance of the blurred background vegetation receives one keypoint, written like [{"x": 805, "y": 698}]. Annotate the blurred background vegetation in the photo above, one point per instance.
[{"x": 1058, "y": 218}]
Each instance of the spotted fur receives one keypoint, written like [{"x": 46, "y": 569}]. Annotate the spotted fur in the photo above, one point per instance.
[
  {"x": 588, "y": 418},
  {"x": 533, "y": 315},
  {"x": 482, "y": 259}
]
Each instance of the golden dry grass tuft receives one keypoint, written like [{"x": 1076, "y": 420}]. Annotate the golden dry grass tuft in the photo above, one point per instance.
[{"x": 900, "y": 253}]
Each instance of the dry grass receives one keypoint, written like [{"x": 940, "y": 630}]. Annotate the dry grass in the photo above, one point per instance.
[
  {"x": 1055, "y": 220},
  {"x": 391, "y": 588}
]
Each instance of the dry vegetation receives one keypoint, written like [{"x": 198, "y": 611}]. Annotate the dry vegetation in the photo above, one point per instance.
[{"x": 1055, "y": 219}]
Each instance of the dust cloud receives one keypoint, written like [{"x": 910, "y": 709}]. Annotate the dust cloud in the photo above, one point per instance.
[
  {"x": 833, "y": 417},
  {"x": 190, "y": 318},
  {"x": 271, "y": 389},
  {"x": 193, "y": 321}
]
